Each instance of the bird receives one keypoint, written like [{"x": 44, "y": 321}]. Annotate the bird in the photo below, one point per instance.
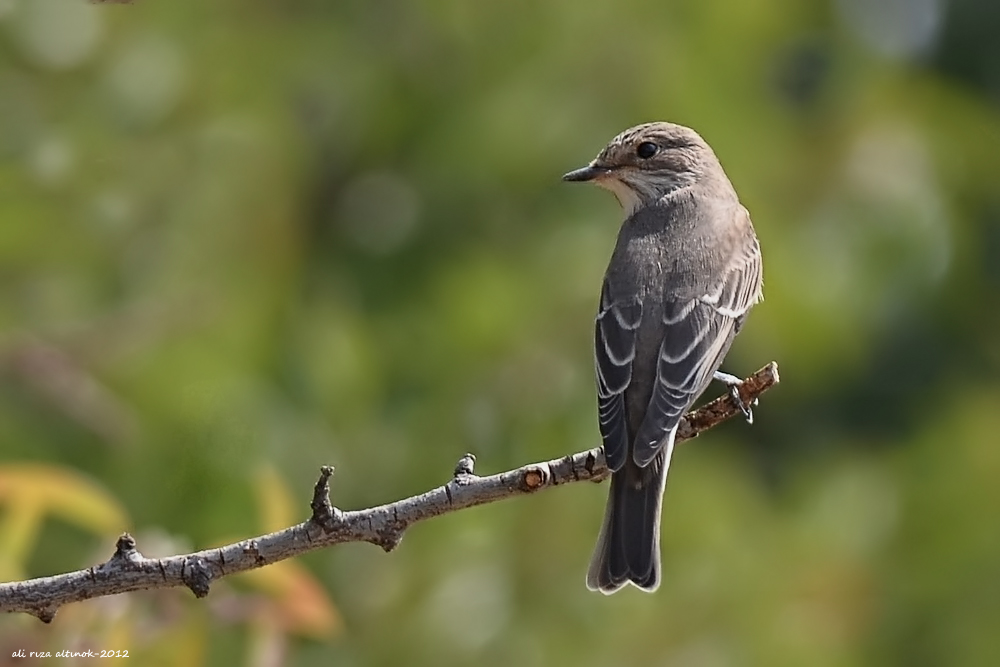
[{"x": 685, "y": 271}]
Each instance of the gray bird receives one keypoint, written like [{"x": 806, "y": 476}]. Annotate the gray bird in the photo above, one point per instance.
[{"x": 684, "y": 274}]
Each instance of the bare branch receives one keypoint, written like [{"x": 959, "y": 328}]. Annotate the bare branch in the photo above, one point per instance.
[{"x": 128, "y": 570}]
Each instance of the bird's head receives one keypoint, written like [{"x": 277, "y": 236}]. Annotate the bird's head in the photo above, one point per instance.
[{"x": 646, "y": 162}]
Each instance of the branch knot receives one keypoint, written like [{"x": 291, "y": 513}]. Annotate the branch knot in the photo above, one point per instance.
[
  {"x": 197, "y": 576},
  {"x": 534, "y": 478}
]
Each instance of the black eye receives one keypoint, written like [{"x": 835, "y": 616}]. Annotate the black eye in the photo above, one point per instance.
[{"x": 646, "y": 150}]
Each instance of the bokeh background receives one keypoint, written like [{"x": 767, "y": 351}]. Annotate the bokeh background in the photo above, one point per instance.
[{"x": 241, "y": 239}]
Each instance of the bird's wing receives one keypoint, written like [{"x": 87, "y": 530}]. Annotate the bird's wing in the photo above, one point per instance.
[
  {"x": 697, "y": 334},
  {"x": 614, "y": 349}
]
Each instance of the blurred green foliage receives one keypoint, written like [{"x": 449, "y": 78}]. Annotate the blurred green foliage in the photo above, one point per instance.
[{"x": 236, "y": 235}]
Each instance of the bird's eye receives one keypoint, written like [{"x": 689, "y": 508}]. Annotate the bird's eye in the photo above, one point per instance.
[{"x": 646, "y": 150}]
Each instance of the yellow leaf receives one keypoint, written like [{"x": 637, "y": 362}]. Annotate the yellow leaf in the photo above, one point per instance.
[
  {"x": 274, "y": 502},
  {"x": 31, "y": 491}
]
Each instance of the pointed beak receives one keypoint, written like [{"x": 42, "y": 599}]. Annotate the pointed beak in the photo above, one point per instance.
[{"x": 588, "y": 173}]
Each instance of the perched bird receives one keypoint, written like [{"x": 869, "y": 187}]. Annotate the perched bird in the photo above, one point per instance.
[{"x": 684, "y": 274}]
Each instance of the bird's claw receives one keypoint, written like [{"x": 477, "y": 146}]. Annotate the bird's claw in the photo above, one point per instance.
[
  {"x": 747, "y": 410},
  {"x": 734, "y": 383}
]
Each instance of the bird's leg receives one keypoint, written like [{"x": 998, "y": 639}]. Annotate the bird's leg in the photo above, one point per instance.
[{"x": 733, "y": 383}]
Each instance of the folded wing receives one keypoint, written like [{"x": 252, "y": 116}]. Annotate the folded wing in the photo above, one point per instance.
[{"x": 697, "y": 333}]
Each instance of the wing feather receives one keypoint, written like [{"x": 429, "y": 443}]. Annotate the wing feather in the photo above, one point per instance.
[{"x": 614, "y": 351}]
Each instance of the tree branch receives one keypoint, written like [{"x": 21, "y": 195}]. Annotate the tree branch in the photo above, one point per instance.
[{"x": 128, "y": 570}]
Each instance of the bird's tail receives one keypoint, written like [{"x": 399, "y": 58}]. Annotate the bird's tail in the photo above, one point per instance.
[{"x": 628, "y": 547}]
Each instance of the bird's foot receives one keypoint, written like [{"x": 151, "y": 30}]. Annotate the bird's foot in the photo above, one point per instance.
[{"x": 734, "y": 383}]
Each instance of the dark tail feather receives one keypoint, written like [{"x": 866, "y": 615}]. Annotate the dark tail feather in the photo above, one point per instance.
[{"x": 628, "y": 548}]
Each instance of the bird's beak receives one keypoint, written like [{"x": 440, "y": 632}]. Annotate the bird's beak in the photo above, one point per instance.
[{"x": 589, "y": 173}]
